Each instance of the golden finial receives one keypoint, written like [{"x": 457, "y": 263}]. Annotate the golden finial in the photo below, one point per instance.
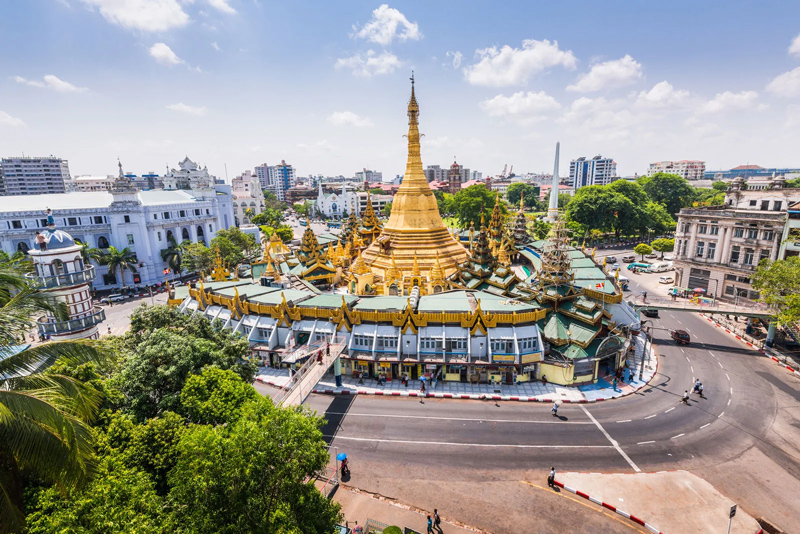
[
  {"x": 437, "y": 273},
  {"x": 415, "y": 266},
  {"x": 521, "y": 200}
]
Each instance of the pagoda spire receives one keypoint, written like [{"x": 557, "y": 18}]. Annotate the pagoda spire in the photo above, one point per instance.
[{"x": 552, "y": 210}]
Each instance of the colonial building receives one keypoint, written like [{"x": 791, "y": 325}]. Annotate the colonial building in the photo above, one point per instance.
[
  {"x": 248, "y": 198},
  {"x": 342, "y": 204},
  {"x": 717, "y": 248},
  {"x": 188, "y": 175}
]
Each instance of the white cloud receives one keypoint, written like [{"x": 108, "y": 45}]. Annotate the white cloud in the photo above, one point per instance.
[
  {"x": 222, "y": 5},
  {"x": 370, "y": 63},
  {"x": 731, "y": 101},
  {"x": 794, "y": 48},
  {"x": 609, "y": 74},
  {"x": 319, "y": 147},
  {"x": 163, "y": 54},
  {"x": 457, "y": 58},
  {"x": 455, "y": 143},
  {"x": 786, "y": 84},
  {"x": 521, "y": 105},
  {"x": 144, "y": 15},
  {"x": 383, "y": 27},
  {"x": 52, "y": 82},
  {"x": 513, "y": 66},
  {"x": 348, "y": 118},
  {"x": 8, "y": 120},
  {"x": 607, "y": 119},
  {"x": 187, "y": 110},
  {"x": 215, "y": 46},
  {"x": 662, "y": 95}
]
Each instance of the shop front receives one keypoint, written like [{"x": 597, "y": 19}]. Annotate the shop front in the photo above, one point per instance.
[
  {"x": 456, "y": 371},
  {"x": 503, "y": 369},
  {"x": 527, "y": 371},
  {"x": 411, "y": 368}
]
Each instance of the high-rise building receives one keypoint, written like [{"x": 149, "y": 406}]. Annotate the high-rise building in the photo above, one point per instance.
[
  {"x": 689, "y": 169},
  {"x": 369, "y": 176},
  {"x": 475, "y": 175},
  {"x": 262, "y": 172},
  {"x": 282, "y": 178},
  {"x": 435, "y": 173},
  {"x": 33, "y": 176},
  {"x": 595, "y": 171}
]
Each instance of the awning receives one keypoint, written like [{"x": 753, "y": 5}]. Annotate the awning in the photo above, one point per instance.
[
  {"x": 456, "y": 332},
  {"x": 325, "y": 327},
  {"x": 501, "y": 333}
]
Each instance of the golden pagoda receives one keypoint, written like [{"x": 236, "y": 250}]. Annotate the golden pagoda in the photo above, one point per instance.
[{"x": 415, "y": 227}]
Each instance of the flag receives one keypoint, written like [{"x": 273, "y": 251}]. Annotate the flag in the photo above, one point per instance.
[
  {"x": 166, "y": 271},
  {"x": 601, "y": 285}
]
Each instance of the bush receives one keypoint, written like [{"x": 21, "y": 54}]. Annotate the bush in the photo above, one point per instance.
[{"x": 392, "y": 530}]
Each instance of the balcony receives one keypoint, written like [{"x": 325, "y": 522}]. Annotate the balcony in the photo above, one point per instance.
[
  {"x": 63, "y": 280},
  {"x": 50, "y": 326}
]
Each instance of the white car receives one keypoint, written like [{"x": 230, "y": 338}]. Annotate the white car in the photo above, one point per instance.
[
  {"x": 665, "y": 279},
  {"x": 114, "y": 297},
  {"x": 669, "y": 258}
]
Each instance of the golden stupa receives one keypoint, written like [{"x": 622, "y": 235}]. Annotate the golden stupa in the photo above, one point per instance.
[{"x": 415, "y": 233}]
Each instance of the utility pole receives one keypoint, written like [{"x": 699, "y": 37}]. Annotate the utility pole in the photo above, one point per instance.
[{"x": 730, "y": 517}]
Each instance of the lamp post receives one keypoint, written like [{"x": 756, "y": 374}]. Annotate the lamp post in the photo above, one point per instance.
[{"x": 644, "y": 350}]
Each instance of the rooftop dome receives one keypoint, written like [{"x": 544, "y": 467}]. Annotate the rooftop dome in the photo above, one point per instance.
[{"x": 58, "y": 239}]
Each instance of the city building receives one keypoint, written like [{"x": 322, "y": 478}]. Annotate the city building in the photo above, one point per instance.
[
  {"x": 369, "y": 176},
  {"x": 248, "y": 198},
  {"x": 440, "y": 174},
  {"x": 689, "y": 169},
  {"x": 262, "y": 173},
  {"x": 188, "y": 175},
  {"x": 86, "y": 184},
  {"x": 752, "y": 171},
  {"x": 346, "y": 202},
  {"x": 33, "y": 176},
  {"x": 717, "y": 248},
  {"x": 454, "y": 178},
  {"x": 475, "y": 175},
  {"x": 595, "y": 171},
  {"x": 299, "y": 194},
  {"x": 143, "y": 221},
  {"x": 790, "y": 240}
]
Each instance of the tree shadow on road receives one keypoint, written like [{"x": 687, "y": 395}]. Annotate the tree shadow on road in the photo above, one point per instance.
[{"x": 334, "y": 415}]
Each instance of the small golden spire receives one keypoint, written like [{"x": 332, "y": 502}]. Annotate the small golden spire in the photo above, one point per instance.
[
  {"x": 415, "y": 266},
  {"x": 437, "y": 273},
  {"x": 502, "y": 257}
]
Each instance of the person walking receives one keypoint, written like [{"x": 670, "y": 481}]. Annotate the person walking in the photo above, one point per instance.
[
  {"x": 555, "y": 409},
  {"x": 437, "y": 520},
  {"x": 551, "y": 478},
  {"x": 430, "y": 525},
  {"x": 361, "y": 377},
  {"x": 615, "y": 383},
  {"x": 685, "y": 398}
]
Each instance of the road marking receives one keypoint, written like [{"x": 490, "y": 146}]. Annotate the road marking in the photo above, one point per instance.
[
  {"x": 726, "y": 374},
  {"x": 348, "y": 414},
  {"x": 680, "y": 323},
  {"x": 705, "y": 425},
  {"x": 692, "y": 366},
  {"x": 670, "y": 409},
  {"x": 651, "y": 416},
  {"x": 624, "y": 421},
  {"x": 645, "y": 442},
  {"x": 731, "y": 391},
  {"x": 720, "y": 415},
  {"x": 453, "y": 443},
  {"x": 729, "y": 402},
  {"x": 679, "y": 435},
  {"x": 711, "y": 353},
  {"x": 688, "y": 360},
  {"x": 614, "y": 443},
  {"x": 720, "y": 364}
]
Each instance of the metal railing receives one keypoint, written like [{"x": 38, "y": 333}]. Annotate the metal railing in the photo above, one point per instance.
[
  {"x": 50, "y": 326},
  {"x": 303, "y": 381},
  {"x": 702, "y": 304},
  {"x": 64, "y": 279}
]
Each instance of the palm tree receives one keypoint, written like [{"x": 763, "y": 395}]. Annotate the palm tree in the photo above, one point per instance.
[
  {"x": 43, "y": 417},
  {"x": 91, "y": 254},
  {"x": 173, "y": 255},
  {"x": 120, "y": 259}
]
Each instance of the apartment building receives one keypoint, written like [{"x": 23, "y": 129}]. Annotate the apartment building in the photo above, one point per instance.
[
  {"x": 33, "y": 176},
  {"x": 690, "y": 169},
  {"x": 595, "y": 171}
]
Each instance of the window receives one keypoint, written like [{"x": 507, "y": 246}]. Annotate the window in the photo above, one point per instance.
[
  {"x": 776, "y": 206},
  {"x": 130, "y": 239},
  {"x": 738, "y": 232},
  {"x": 264, "y": 333},
  {"x": 197, "y": 212},
  {"x": 729, "y": 290},
  {"x": 768, "y": 235},
  {"x": 127, "y": 218},
  {"x": 712, "y": 248},
  {"x": 159, "y": 235},
  {"x": 748, "y": 256},
  {"x": 764, "y": 205},
  {"x": 183, "y": 213},
  {"x": 700, "y": 247},
  {"x": 98, "y": 219},
  {"x": 16, "y": 224},
  {"x": 165, "y": 215},
  {"x": 763, "y": 255},
  {"x": 102, "y": 242},
  {"x": 752, "y": 233},
  {"x": 735, "y": 254},
  {"x": 702, "y": 229},
  {"x": 155, "y": 216},
  {"x": 208, "y": 212},
  {"x": 753, "y": 203},
  {"x": 714, "y": 230}
]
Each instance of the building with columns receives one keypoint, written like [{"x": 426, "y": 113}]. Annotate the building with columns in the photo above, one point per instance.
[
  {"x": 248, "y": 198},
  {"x": 718, "y": 248}
]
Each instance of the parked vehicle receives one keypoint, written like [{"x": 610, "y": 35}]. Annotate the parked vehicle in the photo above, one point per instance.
[
  {"x": 662, "y": 266},
  {"x": 651, "y": 256},
  {"x": 665, "y": 279},
  {"x": 668, "y": 258},
  {"x": 639, "y": 266},
  {"x": 650, "y": 312},
  {"x": 611, "y": 259},
  {"x": 114, "y": 297},
  {"x": 628, "y": 259},
  {"x": 681, "y": 337}
]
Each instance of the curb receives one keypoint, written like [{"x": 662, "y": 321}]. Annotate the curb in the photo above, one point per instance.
[
  {"x": 761, "y": 351},
  {"x": 613, "y": 508}
]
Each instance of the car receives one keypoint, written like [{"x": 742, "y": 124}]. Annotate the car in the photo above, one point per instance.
[
  {"x": 628, "y": 259},
  {"x": 611, "y": 259},
  {"x": 114, "y": 297},
  {"x": 176, "y": 283},
  {"x": 651, "y": 256},
  {"x": 665, "y": 279},
  {"x": 681, "y": 337},
  {"x": 650, "y": 312},
  {"x": 615, "y": 267},
  {"x": 669, "y": 258}
]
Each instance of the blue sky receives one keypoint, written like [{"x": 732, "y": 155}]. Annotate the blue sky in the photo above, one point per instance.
[{"x": 324, "y": 85}]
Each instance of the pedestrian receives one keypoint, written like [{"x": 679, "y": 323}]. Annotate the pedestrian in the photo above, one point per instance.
[
  {"x": 405, "y": 380},
  {"x": 685, "y": 398},
  {"x": 357, "y": 529},
  {"x": 700, "y": 390},
  {"x": 361, "y": 377},
  {"x": 109, "y": 330},
  {"x": 544, "y": 380},
  {"x": 551, "y": 478},
  {"x": 608, "y": 368},
  {"x": 615, "y": 383},
  {"x": 437, "y": 520},
  {"x": 422, "y": 387},
  {"x": 430, "y": 525},
  {"x": 555, "y": 409}
]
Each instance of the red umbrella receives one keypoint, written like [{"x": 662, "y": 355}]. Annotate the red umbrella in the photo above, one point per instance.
[{"x": 699, "y": 290}]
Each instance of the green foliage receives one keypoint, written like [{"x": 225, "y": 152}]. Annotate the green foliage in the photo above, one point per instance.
[
  {"x": 529, "y": 193},
  {"x": 663, "y": 245},
  {"x": 709, "y": 197},
  {"x": 671, "y": 190},
  {"x": 120, "y": 260},
  {"x": 235, "y": 246},
  {"x": 285, "y": 233},
  {"x": 197, "y": 258},
  {"x": 268, "y": 217},
  {"x": 387, "y": 209},
  {"x": 470, "y": 203},
  {"x": 376, "y": 191},
  {"x": 630, "y": 190},
  {"x": 444, "y": 201},
  {"x": 721, "y": 186},
  {"x": 598, "y": 207},
  {"x": 173, "y": 254},
  {"x": 249, "y": 476},
  {"x": 563, "y": 200},
  {"x": 303, "y": 210},
  {"x": 88, "y": 254},
  {"x": 643, "y": 249},
  {"x": 394, "y": 529},
  {"x": 656, "y": 218},
  {"x": 271, "y": 201},
  {"x": 215, "y": 397},
  {"x": 540, "y": 228},
  {"x": 778, "y": 284}
]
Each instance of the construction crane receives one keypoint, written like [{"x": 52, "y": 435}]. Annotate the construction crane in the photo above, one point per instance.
[
  {"x": 511, "y": 171},
  {"x": 503, "y": 174}
]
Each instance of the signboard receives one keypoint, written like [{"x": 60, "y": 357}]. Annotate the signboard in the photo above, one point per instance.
[
  {"x": 385, "y": 364},
  {"x": 529, "y": 369},
  {"x": 530, "y": 358},
  {"x": 733, "y": 511},
  {"x": 430, "y": 367},
  {"x": 503, "y": 358}
]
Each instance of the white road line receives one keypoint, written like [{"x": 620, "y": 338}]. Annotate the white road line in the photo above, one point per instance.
[
  {"x": 729, "y": 402},
  {"x": 692, "y": 366},
  {"x": 731, "y": 391},
  {"x": 348, "y": 414},
  {"x": 651, "y": 416},
  {"x": 705, "y": 425},
  {"x": 645, "y": 442},
  {"x": 688, "y": 360},
  {"x": 720, "y": 415},
  {"x": 683, "y": 351},
  {"x": 680, "y": 323},
  {"x": 670, "y": 409},
  {"x": 614, "y": 443},
  {"x": 624, "y": 421},
  {"x": 498, "y": 445},
  {"x": 679, "y": 435},
  {"x": 711, "y": 353},
  {"x": 720, "y": 364},
  {"x": 726, "y": 374}
]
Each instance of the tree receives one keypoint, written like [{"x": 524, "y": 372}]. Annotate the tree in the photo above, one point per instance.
[
  {"x": 250, "y": 476},
  {"x": 120, "y": 259},
  {"x": 268, "y": 217},
  {"x": 376, "y": 191},
  {"x": 540, "y": 228},
  {"x": 387, "y": 209},
  {"x": 778, "y": 284},
  {"x": 709, "y": 197},
  {"x": 671, "y": 190},
  {"x": 197, "y": 258},
  {"x": 235, "y": 246},
  {"x": 663, "y": 245},
  {"x": 597, "y": 207},
  {"x": 470, "y": 203},
  {"x": 630, "y": 190},
  {"x": 271, "y": 201},
  {"x": 719, "y": 186},
  {"x": 215, "y": 397},
  {"x": 43, "y": 417},
  {"x": 656, "y": 218},
  {"x": 529, "y": 195},
  {"x": 302, "y": 210},
  {"x": 173, "y": 254},
  {"x": 563, "y": 200},
  {"x": 643, "y": 249},
  {"x": 89, "y": 254},
  {"x": 285, "y": 233}
]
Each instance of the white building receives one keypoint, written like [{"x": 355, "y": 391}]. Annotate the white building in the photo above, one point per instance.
[
  {"x": 369, "y": 176},
  {"x": 124, "y": 217},
  {"x": 341, "y": 205},
  {"x": 85, "y": 184},
  {"x": 690, "y": 169},
  {"x": 595, "y": 171},
  {"x": 188, "y": 175},
  {"x": 33, "y": 176},
  {"x": 248, "y": 198}
]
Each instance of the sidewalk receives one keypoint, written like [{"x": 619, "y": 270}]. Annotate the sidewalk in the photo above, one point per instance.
[
  {"x": 524, "y": 392},
  {"x": 358, "y": 506}
]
